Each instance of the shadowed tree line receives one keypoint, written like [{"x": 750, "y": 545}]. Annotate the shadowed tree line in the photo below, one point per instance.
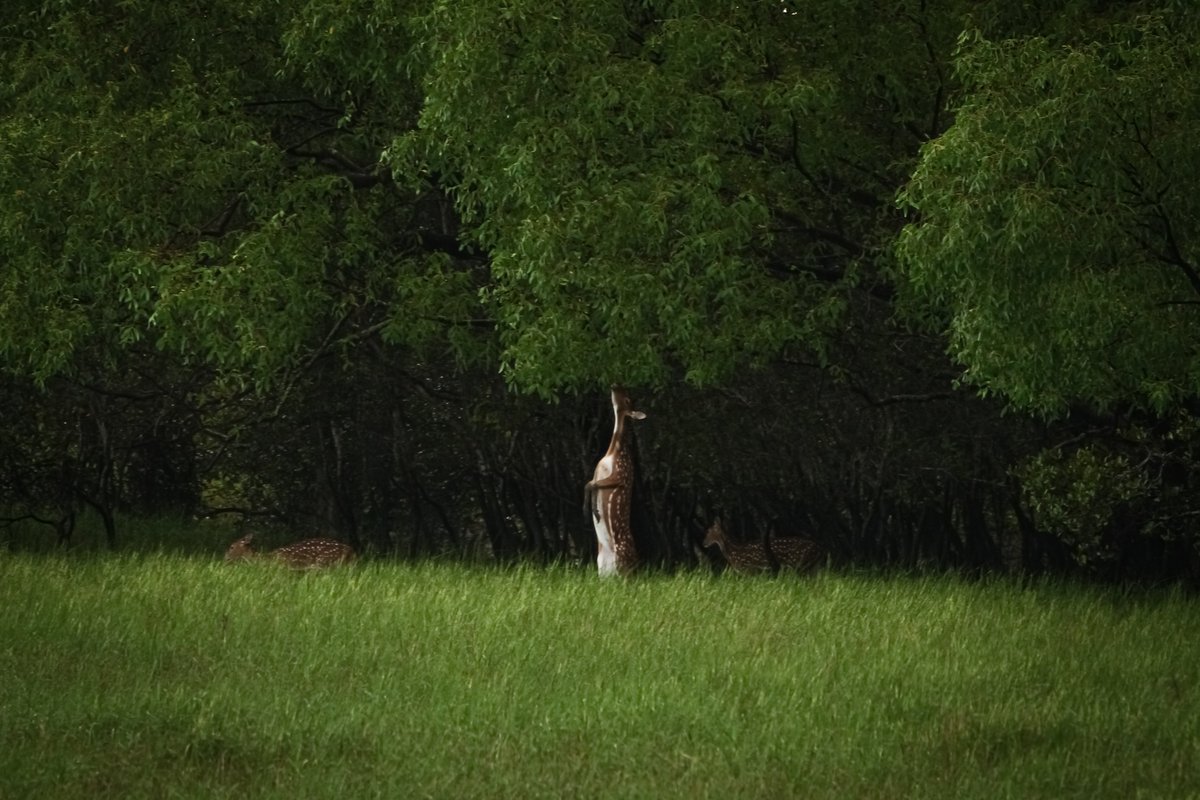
[{"x": 916, "y": 280}]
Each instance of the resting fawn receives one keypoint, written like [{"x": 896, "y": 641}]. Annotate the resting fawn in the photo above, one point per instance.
[
  {"x": 783, "y": 552},
  {"x": 306, "y": 554}
]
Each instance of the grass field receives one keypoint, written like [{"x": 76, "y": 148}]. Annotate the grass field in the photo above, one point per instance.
[{"x": 166, "y": 676}]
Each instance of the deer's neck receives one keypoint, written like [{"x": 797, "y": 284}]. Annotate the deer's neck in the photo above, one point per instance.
[{"x": 617, "y": 444}]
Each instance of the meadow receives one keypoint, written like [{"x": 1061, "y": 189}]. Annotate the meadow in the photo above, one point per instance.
[{"x": 163, "y": 675}]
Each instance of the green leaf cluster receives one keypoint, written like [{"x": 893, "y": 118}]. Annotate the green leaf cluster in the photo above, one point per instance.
[
  {"x": 624, "y": 170},
  {"x": 1054, "y": 224},
  {"x": 1078, "y": 496},
  {"x": 122, "y": 141},
  {"x": 204, "y": 184}
]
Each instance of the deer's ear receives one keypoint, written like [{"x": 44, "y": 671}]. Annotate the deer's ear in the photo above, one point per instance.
[{"x": 637, "y": 414}]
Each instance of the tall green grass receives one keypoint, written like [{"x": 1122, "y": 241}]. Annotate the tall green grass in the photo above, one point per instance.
[{"x": 162, "y": 676}]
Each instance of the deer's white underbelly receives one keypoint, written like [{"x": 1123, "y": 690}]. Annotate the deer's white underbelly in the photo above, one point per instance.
[
  {"x": 604, "y": 468},
  {"x": 606, "y": 558}
]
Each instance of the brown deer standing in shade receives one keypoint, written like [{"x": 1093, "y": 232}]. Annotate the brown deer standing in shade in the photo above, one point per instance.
[
  {"x": 305, "y": 554},
  {"x": 770, "y": 555},
  {"x": 609, "y": 491}
]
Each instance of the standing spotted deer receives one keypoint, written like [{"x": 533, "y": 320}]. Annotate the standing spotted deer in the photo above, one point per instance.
[
  {"x": 305, "y": 554},
  {"x": 770, "y": 555},
  {"x": 608, "y": 494}
]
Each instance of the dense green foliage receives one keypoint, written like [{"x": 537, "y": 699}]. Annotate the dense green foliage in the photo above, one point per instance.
[
  {"x": 630, "y": 205},
  {"x": 368, "y": 267},
  {"x": 161, "y": 676},
  {"x": 1058, "y": 216},
  {"x": 676, "y": 196}
]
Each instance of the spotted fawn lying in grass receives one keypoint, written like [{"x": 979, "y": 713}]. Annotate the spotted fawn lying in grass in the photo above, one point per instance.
[{"x": 305, "y": 554}]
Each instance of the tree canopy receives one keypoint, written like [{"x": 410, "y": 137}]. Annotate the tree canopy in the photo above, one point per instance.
[
  {"x": 1056, "y": 220},
  {"x": 643, "y": 193}
]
